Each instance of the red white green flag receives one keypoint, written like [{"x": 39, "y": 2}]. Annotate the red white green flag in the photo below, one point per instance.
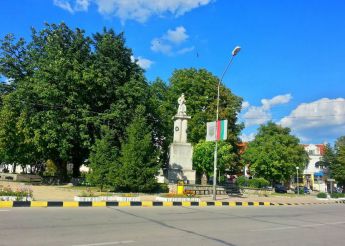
[{"x": 217, "y": 130}]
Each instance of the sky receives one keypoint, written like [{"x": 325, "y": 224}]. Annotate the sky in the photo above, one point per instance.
[{"x": 290, "y": 70}]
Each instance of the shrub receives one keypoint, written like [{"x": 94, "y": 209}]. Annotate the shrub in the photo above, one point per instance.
[
  {"x": 50, "y": 168},
  {"x": 171, "y": 195},
  {"x": 337, "y": 195},
  {"x": 162, "y": 188},
  {"x": 19, "y": 193},
  {"x": 322, "y": 195},
  {"x": 87, "y": 193},
  {"x": 252, "y": 183},
  {"x": 241, "y": 181},
  {"x": 301, "y": 190},
  {"x": 258, "y": 183}
]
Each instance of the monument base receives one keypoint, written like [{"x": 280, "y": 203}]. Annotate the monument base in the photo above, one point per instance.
[
  {"x": 180, "y": 163},
  {"x": 188, "y": 176}
]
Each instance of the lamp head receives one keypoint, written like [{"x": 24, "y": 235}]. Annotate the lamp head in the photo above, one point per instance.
[{"x": 236, "y": 50}]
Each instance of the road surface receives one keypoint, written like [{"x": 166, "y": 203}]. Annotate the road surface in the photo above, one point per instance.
[{"x": 280, "y": 225}]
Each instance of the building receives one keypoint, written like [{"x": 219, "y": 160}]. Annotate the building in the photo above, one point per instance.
[{"x": 314, "y": 175}]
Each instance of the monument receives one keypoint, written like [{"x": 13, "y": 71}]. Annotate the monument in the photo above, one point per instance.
[{"x": 181, "y": 152}]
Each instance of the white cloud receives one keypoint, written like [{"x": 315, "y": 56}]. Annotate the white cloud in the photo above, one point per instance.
[
  {"x": 64, "y": 4},
  {"x": 138, "y": 10},
  {"x": 280, "y": 99},
  {"x": 177, "y": 36},
  {"x": 247, "y": 137},
  {"x": 245, "y": 105},
  {"x": 73, "y": 6},
  {"x": 142, "y": 62},
  {"x": 82, "y": 5},
  {"x": 321, "y": 113},
  {"x": 257, "y": 115},
  {"x": 158, "y": 45},
  {"x": 185, "y": 50},
  {"x": 142, "y": 10},
  {"x": 169, "y": 42},
  {"x": 319, "y": 121}
]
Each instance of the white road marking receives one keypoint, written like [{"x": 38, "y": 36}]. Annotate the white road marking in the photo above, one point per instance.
[
  {"x": 4, "y": 210},
  {"x": 299, "y": 226},
  {"x": 106, "y": 243}
]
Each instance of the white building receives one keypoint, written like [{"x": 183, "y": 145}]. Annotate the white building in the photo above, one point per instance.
[{"x": 314, "y": 176}]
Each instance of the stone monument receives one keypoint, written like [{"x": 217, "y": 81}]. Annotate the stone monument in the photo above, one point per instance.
[{"x": 181, "y": 152}]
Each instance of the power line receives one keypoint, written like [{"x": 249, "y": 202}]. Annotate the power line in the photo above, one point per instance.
[
  {"x": 296, "y": 117},
  {"x": 59, "y": 106}
]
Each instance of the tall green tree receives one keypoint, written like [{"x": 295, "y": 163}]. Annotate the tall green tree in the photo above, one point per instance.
[
  {"x": 200, "y": 89},
  {"x": 139, "y": 163},
  {"x": 274, "y": 154},
  {"x": 14, "y": 148},
  {"x": 66, "y": 86},
  {"x": 159, "y": 117},
  {"x": 203, "y": 158},
  {"x": 103, "y": 161},
  {"x": 328, "y": 156},
  {"x": 337, "y": 166}
]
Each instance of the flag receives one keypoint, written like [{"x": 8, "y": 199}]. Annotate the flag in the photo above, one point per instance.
[{"x": 217, "y": 130}]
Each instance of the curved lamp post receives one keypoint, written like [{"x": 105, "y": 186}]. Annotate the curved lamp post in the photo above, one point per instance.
[{"x": 233, "y": 54}]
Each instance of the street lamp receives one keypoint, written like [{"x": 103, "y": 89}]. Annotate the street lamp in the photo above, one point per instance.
[
  {"x": 297, "y": 180},
  {"x": 233, "y": 54}
]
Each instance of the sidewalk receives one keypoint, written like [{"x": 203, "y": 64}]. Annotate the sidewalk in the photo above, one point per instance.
[{"x": 67, "y": 193}]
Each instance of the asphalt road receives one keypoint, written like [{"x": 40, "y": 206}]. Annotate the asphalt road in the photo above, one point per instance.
[{"x": 283, "y": 225}]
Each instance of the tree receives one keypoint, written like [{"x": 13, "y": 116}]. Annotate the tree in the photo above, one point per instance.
[
  {"x": 274, "y": 154},
  {"x": 335, "y": 158},
  {"x": 47, "y": 74},
  {"x": 200, "y": 89},
  {"x": 66, "y": 87},
  {"x": 159, "y": 117},
  {"x": 103, "y": 161},
  {"x": 203, "y": 158},
  {"x": 14, "y": 148},
  {"x": 138, "y": 158},
  {"x": 328, "y": 156}
]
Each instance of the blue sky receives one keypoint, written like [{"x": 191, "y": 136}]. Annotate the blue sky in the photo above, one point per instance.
[{"x": 291, "y": 68}]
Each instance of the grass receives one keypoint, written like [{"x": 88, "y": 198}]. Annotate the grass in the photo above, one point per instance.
[{"x": 288, "y": 195}]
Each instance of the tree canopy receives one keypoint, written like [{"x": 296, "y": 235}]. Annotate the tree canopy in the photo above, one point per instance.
[
  {"x": 334, "y": 157},
  {"x": 66, "y": 86},
  {"x": 274, "y": 154},
  {"x": 76, "y": 98},
  {"x": 203, "y": 158},
  {"x": 200, "y": 89}
]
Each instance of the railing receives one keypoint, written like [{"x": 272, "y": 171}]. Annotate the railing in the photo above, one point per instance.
[{"x": 205, "y": 189}]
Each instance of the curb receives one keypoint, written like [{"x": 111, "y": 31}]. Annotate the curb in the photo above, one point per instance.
[{"x": 71, "y": 204}]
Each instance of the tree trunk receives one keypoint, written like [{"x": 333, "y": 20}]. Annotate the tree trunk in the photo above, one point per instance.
[
  {"x": 78, "y": 155},
  {"x": 14, "y": 168},
  {"x": 76, "y": 171},
  {"x": 61, "y": 170}
]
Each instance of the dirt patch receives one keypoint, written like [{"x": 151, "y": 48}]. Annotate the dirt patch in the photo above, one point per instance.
[{"x": 45, "y": 192}]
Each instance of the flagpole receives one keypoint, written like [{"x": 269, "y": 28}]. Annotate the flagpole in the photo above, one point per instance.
[{"x": 234, "y": 53}]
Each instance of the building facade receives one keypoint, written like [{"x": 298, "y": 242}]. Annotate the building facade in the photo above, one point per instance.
[{"x": 315, "y": 173}]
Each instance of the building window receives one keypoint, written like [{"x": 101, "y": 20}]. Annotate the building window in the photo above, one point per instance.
[{"x": 319, "y": 164}]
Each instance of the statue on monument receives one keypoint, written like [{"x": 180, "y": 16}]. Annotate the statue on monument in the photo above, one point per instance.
[
  {"x": 182, "y": 106},
  {"x": 180, "y": 151}
]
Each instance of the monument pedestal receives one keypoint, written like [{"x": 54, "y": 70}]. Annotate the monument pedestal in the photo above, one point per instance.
[
  {"x": 181, "y": 152},
  {"x": 180, "y": 163}
]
